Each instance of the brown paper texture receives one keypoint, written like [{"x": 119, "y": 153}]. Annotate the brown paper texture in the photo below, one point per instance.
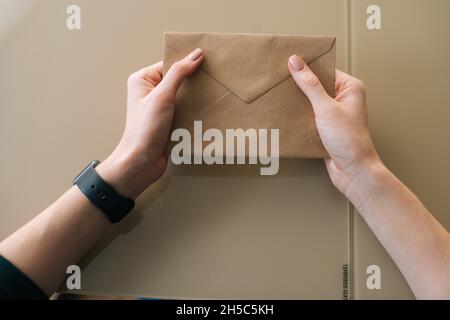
[{"x": 244, "y": 82}]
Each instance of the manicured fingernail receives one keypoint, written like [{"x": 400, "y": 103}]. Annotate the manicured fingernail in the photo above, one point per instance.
[
  {"x": 194, "y": 55},
  {"x": 297, "y": 64}
]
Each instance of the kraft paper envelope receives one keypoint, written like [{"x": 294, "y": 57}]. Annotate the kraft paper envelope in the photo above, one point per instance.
[{"x": 244, "y": 82}]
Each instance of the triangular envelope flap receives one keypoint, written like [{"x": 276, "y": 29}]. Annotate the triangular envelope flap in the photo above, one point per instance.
[{"x": 249, "y": 64}]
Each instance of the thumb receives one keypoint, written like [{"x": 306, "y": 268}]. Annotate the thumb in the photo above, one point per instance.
[
  {"x": 179, "y": 71},
  {"x": 310, "y": 84}
]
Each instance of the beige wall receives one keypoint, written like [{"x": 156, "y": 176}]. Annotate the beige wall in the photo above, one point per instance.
[
  {"x": 62, "y": 96},
  {"x": 406, "y": 68}
]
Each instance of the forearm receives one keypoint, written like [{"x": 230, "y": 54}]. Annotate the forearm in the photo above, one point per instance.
[
  {"x": 56, "y": 238},
  {"x": 415, "y": 240},
  {"x": 64, "y": 232},
  {"x": 61, "y": 234}
]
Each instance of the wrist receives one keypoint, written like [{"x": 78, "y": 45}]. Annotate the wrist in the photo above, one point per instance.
[
  {"x": 122, "y": 173},
  {"x": 367, "y": 183}
]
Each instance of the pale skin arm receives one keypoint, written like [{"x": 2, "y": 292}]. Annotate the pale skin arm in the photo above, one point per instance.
[
  {"x": 416, "y": 241},
  {"x": 61, "y": 234},
  {"x": 64, "y": 232}
]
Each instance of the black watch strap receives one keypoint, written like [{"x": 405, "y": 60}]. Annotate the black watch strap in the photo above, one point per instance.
[{"x": 102, "y": 195}]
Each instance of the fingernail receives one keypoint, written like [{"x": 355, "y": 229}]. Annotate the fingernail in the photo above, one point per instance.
[
  {"x": 297, "y": 64},
  {"x": 194, "y": 55}
]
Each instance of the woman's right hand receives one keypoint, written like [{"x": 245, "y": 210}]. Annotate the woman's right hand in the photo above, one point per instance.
[{"x": 342, "y": 123}]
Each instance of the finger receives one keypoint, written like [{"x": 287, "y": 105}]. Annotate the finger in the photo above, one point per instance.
[
  {"x": 309, "y": 83},
  {"x": 341, "y": 82},
  {"x": 152, "y": 75},
  {"x": 155, "y": 68},
  {"x": 341, "y": 74},
  {"x": 343, "y": 79},
  {"x": 348, "y": 87},
  {"x": 179, "y": 71}
]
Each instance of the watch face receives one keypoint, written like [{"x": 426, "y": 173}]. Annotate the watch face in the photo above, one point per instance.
[{"x": 92, "y": 164}]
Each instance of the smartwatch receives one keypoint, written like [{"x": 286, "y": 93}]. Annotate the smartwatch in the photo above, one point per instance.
[{"x": 102, "y": 195}]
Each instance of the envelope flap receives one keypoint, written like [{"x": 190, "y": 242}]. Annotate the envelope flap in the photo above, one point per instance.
[{"x": 247, "y": 64}]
